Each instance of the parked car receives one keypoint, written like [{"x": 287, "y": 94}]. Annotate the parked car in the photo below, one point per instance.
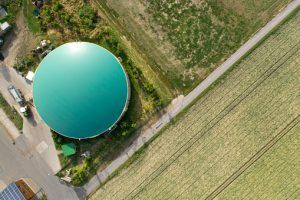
[{"x": 16, "y": 94}]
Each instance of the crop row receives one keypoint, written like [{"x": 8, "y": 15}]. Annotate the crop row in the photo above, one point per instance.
[{"x": 274, "y": 176}]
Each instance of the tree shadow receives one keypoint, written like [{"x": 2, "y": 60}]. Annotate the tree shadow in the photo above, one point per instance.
[
  {"x": 6, "y": 74},
  {"x": 32, "y": 120},
  {"x": 9, "y": 38},
  {"x": 80, "y": 192}
]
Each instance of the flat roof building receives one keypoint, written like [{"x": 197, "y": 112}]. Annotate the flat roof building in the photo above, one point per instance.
[
  {"x": 30, "y": 76},
  {"x": 11, "y": 192},
  {"x": 68, "y": 149},
  {"x": 23, "y": 189},
  {"x": 4, "y": 28},
  {"x": 81, "y": 90}
]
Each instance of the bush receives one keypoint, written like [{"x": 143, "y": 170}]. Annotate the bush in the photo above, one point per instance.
[
  {"x": 12, "y": 8},
  {"x": 155, "y": 98},
  {"x": 88, "y": 17},
  {"x": 79, "y": 177},
  {"x": 57, "y": 7},
  {"x": 24, "y": 64}
]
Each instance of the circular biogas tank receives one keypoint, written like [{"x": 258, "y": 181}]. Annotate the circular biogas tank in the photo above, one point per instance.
[{"x": 80, "y": 90}]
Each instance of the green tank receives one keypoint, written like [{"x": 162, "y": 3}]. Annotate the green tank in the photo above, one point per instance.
[{"x": 80, "y": 90}]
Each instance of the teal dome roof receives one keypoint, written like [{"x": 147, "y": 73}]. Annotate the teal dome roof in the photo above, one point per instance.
[{"x": 80, "y": 90}]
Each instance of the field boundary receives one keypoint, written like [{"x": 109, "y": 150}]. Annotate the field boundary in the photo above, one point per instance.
[
  {"x": 168, "y": 119},
  {"x": 254, "y": 158}
]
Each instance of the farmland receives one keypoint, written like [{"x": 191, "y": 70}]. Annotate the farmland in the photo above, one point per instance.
[
  {"x": 278, "y": 170},
  {"x": 185, "y": 40},
  {"x": 219, "y": 142}
]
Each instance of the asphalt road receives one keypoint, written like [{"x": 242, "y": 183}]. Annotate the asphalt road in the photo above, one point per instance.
[
  {"x": 25, "y": 159},
  {"x": 148, "y": 133},
  {"x": 20, "y": 161},
  {"x": 35, "y": 130}
]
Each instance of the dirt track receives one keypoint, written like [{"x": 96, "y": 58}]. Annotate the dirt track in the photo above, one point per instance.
[{"x": 21, "y": 45}]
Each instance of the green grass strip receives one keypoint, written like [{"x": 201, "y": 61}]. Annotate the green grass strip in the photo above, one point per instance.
[{"x": 11, "y": 113}]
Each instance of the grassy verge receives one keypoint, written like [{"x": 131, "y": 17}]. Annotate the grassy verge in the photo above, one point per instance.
[
  {"x": 12, "y": 114},
  {"x": 32, "y": 21},
  {"x": 219, "y": 81}
]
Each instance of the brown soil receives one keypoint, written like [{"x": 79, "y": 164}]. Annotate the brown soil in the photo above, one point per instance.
[{"x": 19, "y": 42}]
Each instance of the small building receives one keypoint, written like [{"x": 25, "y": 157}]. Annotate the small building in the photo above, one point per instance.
[
  {"x": 68, "y": 149},
  {"x": 30, "y": 76},
  {"x": 3, "y": 12},
  {"x": 4, "y": 28},
  {"x": 11, "y": 192},
  {"x": 23, "y": 189}
]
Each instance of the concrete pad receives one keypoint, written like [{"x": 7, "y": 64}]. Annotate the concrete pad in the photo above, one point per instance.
[
  {"x": 41, "y": 147},
  {"x": 39, "y": 136}
]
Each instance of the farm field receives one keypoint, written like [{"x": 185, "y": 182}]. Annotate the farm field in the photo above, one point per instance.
[
  {"x": 274, "y": 176},
  {"x": 226, "y": 133},
  {"x": 185, "y": 40}
]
